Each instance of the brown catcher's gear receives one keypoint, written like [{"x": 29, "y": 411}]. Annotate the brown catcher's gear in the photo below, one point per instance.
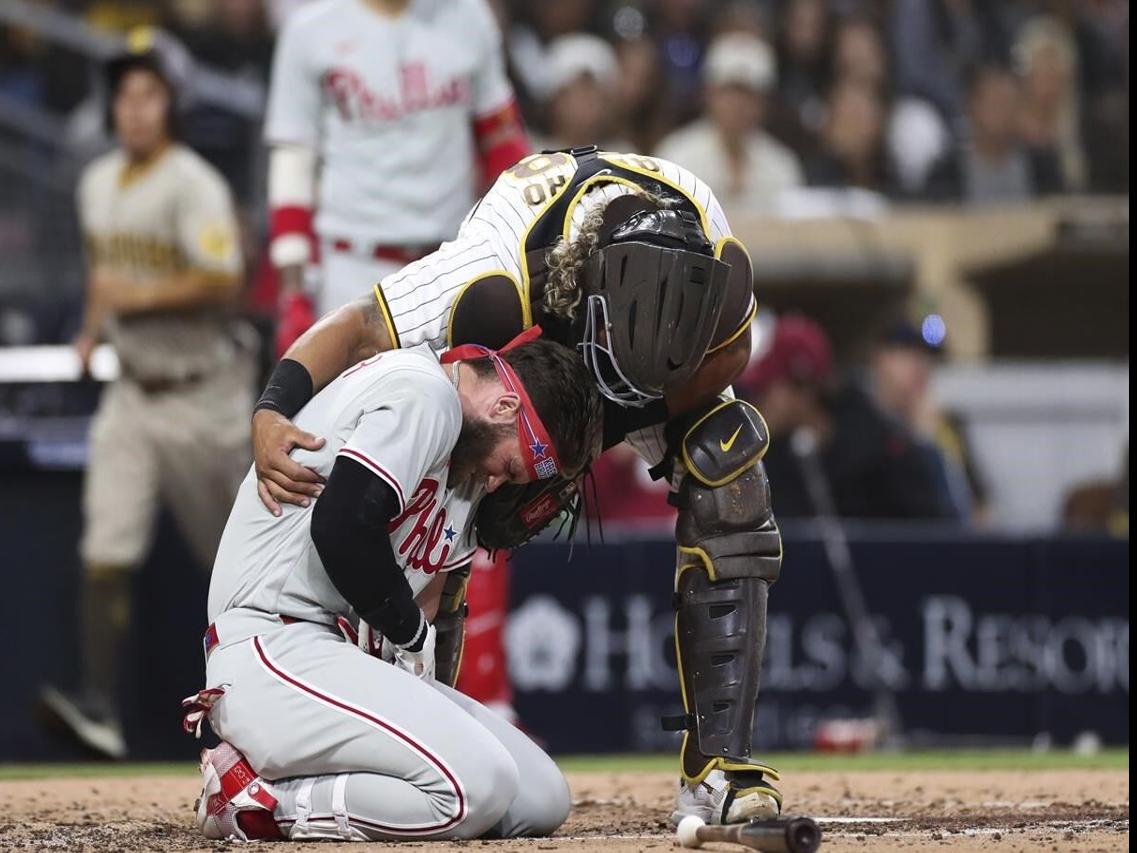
[
  {"x": 450, "y": 626},
  {"x": 729, "y": 553}
]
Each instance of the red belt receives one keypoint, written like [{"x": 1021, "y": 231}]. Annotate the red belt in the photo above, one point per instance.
[{"x": 400, "y": 254}]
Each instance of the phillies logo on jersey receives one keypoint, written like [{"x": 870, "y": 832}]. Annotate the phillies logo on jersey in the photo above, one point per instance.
[
  {"x": 356, "y": 101},
  {"x": 428, "y": 529}
]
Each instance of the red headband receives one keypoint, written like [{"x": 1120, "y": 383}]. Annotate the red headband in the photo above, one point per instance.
[{"x": 536, "y": 446}]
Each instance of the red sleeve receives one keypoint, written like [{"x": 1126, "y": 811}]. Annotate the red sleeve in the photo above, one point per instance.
[{"x": 501, "y": 140}]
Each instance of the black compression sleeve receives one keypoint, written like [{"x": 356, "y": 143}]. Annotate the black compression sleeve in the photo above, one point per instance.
[
  {"x": 288, "y": 390},
  {"x": 349, "y": 529}
]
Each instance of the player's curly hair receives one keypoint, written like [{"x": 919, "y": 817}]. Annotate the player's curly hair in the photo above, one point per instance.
[
  {"x": 564, "y": 394},
  {"x": 566, "y": 259}
]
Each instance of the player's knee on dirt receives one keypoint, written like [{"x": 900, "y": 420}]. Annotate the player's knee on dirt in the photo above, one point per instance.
[
  {"x": 450, "y": 626},
  {"x": 542, "y": 804},
  {"x": 490, "y": 791},
  {"x": 729, "y": 553}
]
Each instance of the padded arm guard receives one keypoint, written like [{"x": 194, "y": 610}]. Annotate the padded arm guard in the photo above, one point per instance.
[
  {"x": 450, "y": 626},
  {"x": 730, "y": 551}
]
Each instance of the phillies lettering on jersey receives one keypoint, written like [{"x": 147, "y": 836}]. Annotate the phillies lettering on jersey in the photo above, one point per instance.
[
  {"x": 389, "y": 104},
  {"x": 427, "y": 528},
  {"x": 356, "y": 102}
]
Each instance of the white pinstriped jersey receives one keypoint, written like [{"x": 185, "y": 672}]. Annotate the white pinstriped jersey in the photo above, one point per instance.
[
  {"x": 417, "y": 301},
  {"x": 397, "y": 414},
  {"x": 388, "y": 102}
]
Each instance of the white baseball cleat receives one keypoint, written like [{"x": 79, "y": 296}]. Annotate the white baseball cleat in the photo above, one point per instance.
[
  {"x": 235, "y": 802},
  {"x": 715, "y": 801}
]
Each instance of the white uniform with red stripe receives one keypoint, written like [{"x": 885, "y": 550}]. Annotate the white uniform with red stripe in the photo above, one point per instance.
[
  {"x": 389, "y": 103},
  {"x": 365, "y": 750}
]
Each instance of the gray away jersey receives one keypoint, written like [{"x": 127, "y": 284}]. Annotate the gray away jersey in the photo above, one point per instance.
[{"x": 398, "y": 415}]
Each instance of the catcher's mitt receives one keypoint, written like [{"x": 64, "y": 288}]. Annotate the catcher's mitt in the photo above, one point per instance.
[{"x": 513, "y": 515}]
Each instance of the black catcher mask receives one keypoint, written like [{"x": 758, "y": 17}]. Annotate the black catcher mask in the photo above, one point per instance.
[{"x": 653, "y": 295}]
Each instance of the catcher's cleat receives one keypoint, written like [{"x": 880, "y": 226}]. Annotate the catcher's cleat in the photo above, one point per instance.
[
  {"x": 719, "y": 799},
  {"x": 235, "y": 802},
  {"x": 92, "y": 724}
]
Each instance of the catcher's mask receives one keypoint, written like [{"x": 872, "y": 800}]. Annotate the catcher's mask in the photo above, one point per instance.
[{"x": 653, "y": 296}]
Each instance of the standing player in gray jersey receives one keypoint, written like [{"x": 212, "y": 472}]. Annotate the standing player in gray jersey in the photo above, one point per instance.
[
  {"x": 164, "y": 265},
  {"x": 384, "y": 117},
  {"x": 363, "y": 749},
  {"x": 631, "y": 260}
]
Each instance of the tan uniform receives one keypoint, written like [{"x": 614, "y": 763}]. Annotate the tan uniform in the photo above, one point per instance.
[{"x": 175, "y": 425}]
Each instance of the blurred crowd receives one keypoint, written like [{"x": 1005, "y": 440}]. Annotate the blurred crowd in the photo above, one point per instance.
[
  {"x": 780, "y": 105},
  {"x": 933, "y": 100}
]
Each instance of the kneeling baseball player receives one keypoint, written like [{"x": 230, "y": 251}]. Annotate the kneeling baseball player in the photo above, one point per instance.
[{"x": 321, "y": 738}]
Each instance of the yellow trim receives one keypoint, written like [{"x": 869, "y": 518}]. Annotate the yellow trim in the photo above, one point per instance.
[
  {"x": 738, "y": 333},
  {"x": 392, "y": 332},
  {"x": 753, "y": 307},
  {"x": 537, "y": 218},
  {"x": 617, "y": 160},
  {"x": 715, "y": 762},
  {"x": 750, "y": 463},
  {"x": 704, "y": 558},
  {"x": 526, "y": 309},
  {"x": 585, "y": 187}
]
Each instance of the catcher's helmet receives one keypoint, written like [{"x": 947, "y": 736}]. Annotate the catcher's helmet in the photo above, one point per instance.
[{"x": 653, "y": 293}]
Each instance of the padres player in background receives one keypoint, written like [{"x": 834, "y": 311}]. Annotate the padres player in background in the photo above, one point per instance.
[
  {"x": 631, "y": 260},
  {"x": 381, "y": 114},
  {"x": 322, "y": 740},
  {"x": 163, "y": 267}
]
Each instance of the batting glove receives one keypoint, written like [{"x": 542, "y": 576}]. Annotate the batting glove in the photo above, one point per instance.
[{"x": 417, "y": 656}]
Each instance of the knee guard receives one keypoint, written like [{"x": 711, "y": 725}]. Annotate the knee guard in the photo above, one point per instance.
[
  {"x": 450, "y": 626},
  {"x": 729, "y": 552}
]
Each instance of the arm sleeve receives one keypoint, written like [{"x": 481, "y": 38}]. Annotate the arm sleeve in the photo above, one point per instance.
[
  {"x": 293, "y": 111},
  {"x": 207, "y": 227},
  {"x": 349, "y": 530}
]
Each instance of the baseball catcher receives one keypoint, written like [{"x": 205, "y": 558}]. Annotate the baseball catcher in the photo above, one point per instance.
[
  {"x": 321, "y": 739},
  {"x": 630, "y": 260}
]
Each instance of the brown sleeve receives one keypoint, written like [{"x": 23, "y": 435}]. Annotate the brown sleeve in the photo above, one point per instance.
[
  {"x": 739, "y": 306},
  {"x": 488, "y": 311}
]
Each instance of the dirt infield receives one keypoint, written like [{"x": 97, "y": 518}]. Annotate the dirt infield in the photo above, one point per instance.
[{"x": 1061, "y": 810}]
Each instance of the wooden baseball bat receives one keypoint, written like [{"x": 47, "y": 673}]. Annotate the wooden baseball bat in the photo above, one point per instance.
[{"x": 780, "y": 835}]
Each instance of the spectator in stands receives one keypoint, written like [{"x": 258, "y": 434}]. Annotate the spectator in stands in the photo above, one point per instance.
[
  {"x": 993, "y": 166},
  {"x": 803, "y": 50},
  {"x": 859, "y": 56},
  {"x": 1050, "y": 120},
  {"x": 873, "y": 465},
  {"x": 932, "y": 42},
  {"x": 645, "y": 101},
  {"x": 852, "y": 153},
  {"x": 583, "y": 104},
  {"x": 899, "y": 381},
  {"x": 746, "y": 167}
]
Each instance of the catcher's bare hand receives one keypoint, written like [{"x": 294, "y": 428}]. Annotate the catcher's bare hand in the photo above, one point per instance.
[{"x": 280, "y": 480}]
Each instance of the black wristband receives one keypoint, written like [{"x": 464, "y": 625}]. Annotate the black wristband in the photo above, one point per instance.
[
  {"x": 288, "y": 390},
  {"x": 399, "y": 618}
]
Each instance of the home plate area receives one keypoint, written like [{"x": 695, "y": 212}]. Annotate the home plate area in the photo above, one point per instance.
[{"x": 993, "y": 810}]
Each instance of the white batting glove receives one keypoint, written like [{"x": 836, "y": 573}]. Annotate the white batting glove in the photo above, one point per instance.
[{"x": 417, "y": 656}]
